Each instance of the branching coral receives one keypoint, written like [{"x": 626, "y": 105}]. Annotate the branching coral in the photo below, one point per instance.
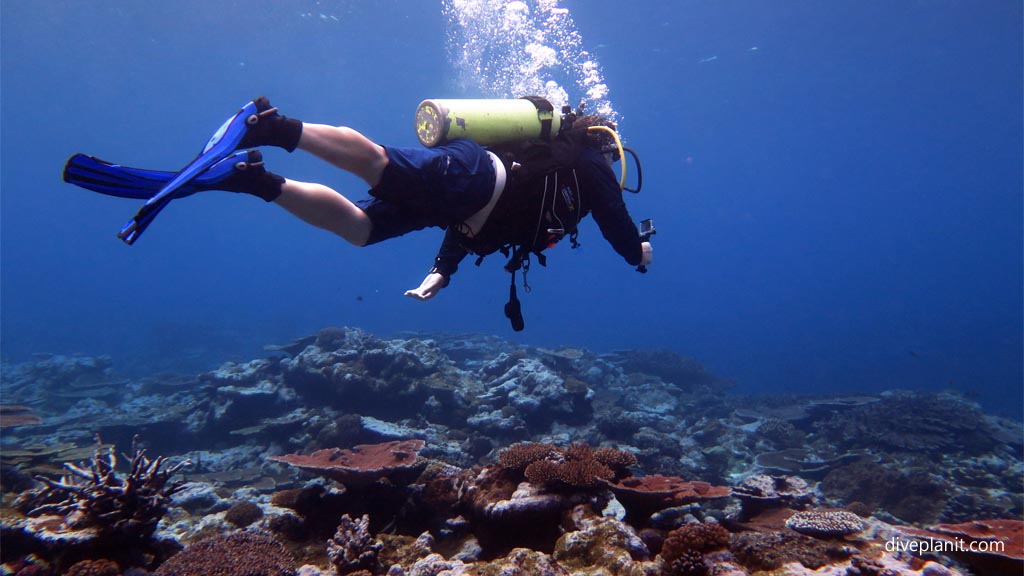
[
  {"x": 614, "y": 458},
  {"x": 129, "y": 505},
  {"x": 519, "y": 456},
  {"x": 575, "y": 473},
  {"x": 353, "y": 549},
  {"x": 577, "y": 465}
]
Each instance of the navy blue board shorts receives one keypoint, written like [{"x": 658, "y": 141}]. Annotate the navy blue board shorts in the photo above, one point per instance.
[{"x": 423, "y": 187}]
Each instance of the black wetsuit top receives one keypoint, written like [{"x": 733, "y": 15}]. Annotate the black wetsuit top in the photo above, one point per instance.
[{"x": 537, "y": 213}]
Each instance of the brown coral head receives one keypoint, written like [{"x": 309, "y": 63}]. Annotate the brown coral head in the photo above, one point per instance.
[
  {"x": 94, "y": 568},
  {"x": 237, "y": 554},
  {"x": 699, "y": 537},
  {"x": 689, "y": 563}
]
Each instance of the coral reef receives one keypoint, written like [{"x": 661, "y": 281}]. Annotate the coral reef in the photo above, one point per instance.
[
  {"x": 904, "y": 492},
  {"x": 911, "y": 423},
  {"x": 770, "y": 550},
  {"x": 456, "y": 454}
]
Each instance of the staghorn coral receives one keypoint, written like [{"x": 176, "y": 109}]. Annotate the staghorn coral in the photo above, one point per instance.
[
  {"x": 614, "y": 458},
  {"x": 698, "y": 537},
  {"x": 827, "y": 523},
  {"x": 576, "y": 466},
  {"x": 573, "y": 473},
  {"x": 237, "y": 554},
  {"x": 128, "y": 506},
  {"x": 519, "y": 456},
  {"x": 353, "y": 549}
]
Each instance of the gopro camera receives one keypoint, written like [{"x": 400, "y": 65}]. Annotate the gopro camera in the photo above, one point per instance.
[{"x": 647, "y": 229}]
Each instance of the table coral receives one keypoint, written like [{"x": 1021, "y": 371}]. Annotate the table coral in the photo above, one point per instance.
[
  {"x": 644, "y": 495},
  {"x": 398, "y": 461},
  {"x": 993, "y": 546}
]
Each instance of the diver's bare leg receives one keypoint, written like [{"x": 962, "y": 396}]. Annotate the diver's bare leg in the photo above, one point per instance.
[
  {"x": 324, "y": 208},
  {"x": 346, "y": 149}
]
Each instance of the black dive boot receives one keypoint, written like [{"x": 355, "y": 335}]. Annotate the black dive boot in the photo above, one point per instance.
[
  {"x": 268, "y": 127},
  {"x": 251, "y": 177}
]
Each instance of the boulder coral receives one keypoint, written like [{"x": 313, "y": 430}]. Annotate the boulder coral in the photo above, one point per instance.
[{"x": 236, "y": 554}]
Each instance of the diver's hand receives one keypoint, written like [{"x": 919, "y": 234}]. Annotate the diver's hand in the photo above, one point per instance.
[
  {"x": 648, "y": 253},
  {"x": 429, "y": 288}
]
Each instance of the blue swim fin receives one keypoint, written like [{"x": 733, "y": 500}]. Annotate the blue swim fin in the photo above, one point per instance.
[
  {"x": 221, "y": 145},
  {"x": 112, "y": 179}
]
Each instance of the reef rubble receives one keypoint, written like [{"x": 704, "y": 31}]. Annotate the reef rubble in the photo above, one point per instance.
[{"x": 347, "y": 453}]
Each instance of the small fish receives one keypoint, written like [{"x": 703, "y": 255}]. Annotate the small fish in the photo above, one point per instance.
[{"x": 708, "y": 59}]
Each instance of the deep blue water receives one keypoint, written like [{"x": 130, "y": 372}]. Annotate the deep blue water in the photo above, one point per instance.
[{"x": 837, "y": 187}]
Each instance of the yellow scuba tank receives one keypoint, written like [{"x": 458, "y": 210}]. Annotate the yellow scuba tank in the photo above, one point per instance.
[{"x": 486, "y": 122}]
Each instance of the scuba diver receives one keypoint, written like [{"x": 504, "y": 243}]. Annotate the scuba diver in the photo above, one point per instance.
[{"x": 522, "y": 193}]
